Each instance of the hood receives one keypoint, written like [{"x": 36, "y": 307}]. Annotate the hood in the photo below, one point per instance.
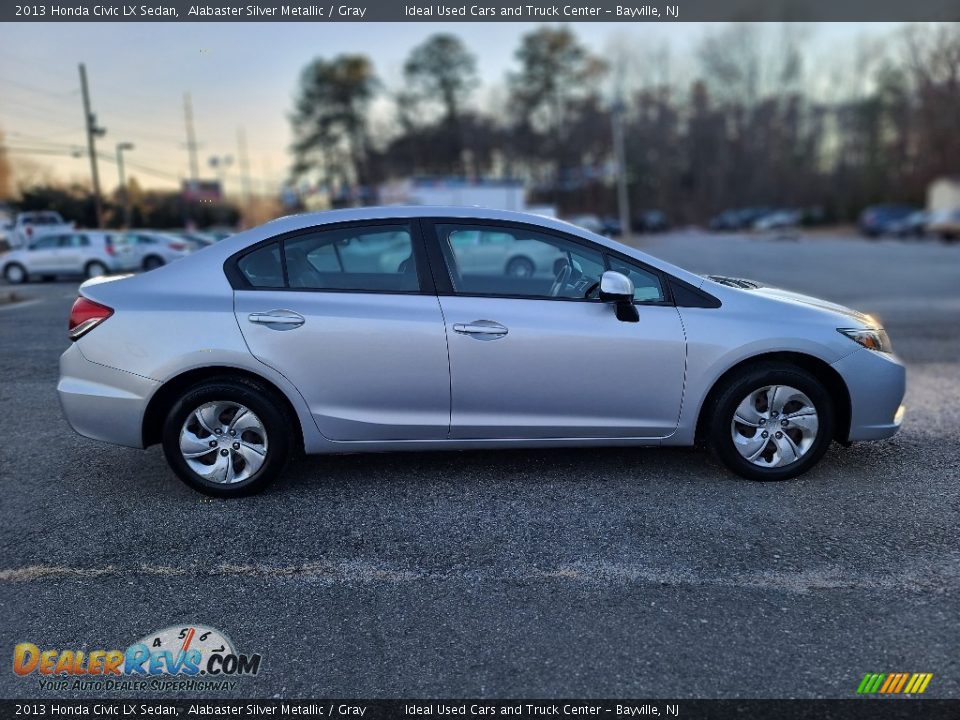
[{"x": 794, "y": 298}]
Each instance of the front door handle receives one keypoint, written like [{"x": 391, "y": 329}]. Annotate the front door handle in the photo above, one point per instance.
[
  {"x": 481, "y": 329},
  {"x": 277, "y": 319}
]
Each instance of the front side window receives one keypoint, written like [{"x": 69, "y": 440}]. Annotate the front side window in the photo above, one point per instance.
[
  {"x": 517, "y": 262},
  {"x": 646, "y": 285},
  {"x": 47, "y": 243},
  {"x": 363, "y": 259}
]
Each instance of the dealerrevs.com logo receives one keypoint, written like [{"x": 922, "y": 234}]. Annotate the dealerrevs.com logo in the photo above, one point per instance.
[{"x": 180, "y": 657}]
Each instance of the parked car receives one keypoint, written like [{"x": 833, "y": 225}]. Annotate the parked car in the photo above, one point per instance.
[
  {"x": 195, "y": 239},
  {"x": 913, "y": 225},
  {"x": 945, "y": 224},
  {"x": 293, "y": 336},
  {"x": 30, "y": 226},
  {"x": 878, "y": 220},
  {"x": 651, "y": 221},
  {"x": 88, "y": 253},
  {"x": 588, "y": 222},
  {"x": 611, "y": 226},
  {"x": 738, "y": 219},
  {"x": 778, "y": 220},
  {"x": 153, "y": 249},
  {"x": 219, "y": 232},
  {"x": 497, "y": 253}
]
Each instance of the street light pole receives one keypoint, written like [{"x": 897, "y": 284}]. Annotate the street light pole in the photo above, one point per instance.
[
  {"x": 623, "y": 198},
  {"x": 123, "y": 182}
]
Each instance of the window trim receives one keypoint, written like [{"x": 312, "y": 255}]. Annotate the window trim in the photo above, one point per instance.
[
  {"x": 445, "y": 284},
  {"x": 425, "y": 283}
]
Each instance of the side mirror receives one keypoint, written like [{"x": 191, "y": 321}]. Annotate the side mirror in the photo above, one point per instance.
[{"x": 617, "y": 288}]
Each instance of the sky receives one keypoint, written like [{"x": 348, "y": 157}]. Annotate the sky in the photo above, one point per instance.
[{"x": 245, "y": 75}]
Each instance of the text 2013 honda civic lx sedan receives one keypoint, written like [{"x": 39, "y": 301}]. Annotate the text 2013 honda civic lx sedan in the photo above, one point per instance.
[{"x": 451, "y": 328}]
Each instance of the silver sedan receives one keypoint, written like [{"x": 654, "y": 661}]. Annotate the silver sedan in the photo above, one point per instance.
[{"x": 393, "y": 329}]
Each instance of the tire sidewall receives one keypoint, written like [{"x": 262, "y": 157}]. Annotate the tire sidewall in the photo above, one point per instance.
[
  {"x": 739, "y": 388},
  {"x": 89, "y": 272},
  {"x": 15, "y": 266},
  {"x": 517, "y": 262},
  {"x": 261, "y": 403}
]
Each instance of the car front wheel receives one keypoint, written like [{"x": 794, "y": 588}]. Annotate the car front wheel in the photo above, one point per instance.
[
  {"x": 771, "y": 422},
  {"x": 227, "y": 437}
]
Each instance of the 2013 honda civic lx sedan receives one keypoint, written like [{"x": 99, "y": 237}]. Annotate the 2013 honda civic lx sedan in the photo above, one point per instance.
[{"x": 394, "y": 328}]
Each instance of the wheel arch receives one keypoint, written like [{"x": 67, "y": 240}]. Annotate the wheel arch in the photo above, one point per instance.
[
  {"x": 820, "y": 369},
  {"x": 164, "y": 398}
]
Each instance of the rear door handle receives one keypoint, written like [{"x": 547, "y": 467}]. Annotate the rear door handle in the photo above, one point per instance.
[
  {"x": 481, "y": 329},
  {"x": 278, "y": 319}
]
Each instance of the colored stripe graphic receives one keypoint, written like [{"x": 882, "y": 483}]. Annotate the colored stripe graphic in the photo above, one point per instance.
[{"x": 894, "y": 683}]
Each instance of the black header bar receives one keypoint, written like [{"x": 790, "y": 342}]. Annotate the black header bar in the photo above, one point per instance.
[
  {"x": 861, "y": 709},
  {"x": 636, "y": 11}
]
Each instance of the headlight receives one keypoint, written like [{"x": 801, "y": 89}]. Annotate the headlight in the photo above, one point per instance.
[{"x": 870, "y": 338}]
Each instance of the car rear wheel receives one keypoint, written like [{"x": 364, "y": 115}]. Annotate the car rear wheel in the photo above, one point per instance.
[
  {"x": 15, "y": 274},
  {"x": 94, "y": 269},
  {"x": 152, "y": 262},
  {"x": 227, "y": 437},
  {"x": 771, "y": 422}
]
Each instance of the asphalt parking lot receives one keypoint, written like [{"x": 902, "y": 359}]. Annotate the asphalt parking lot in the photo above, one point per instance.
[{"x": 601, "y": 573}]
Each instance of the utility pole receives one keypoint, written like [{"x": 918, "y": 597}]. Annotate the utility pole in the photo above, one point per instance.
[
  {"x": 191, "y": 137},
  {"x": 623, "y": 198},
  {"x": 192, "y": 186},
  {"x": 123, "y": 182},
  {"x": 244, "y": 163},
  {"x": 93, "y": 132}
]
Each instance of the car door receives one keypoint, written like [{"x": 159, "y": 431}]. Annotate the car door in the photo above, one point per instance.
[
  {"x": 43, "y": 255},
  {"x": 74, "y": 250},
  {"x": 537, "y": 356},
  {"x": 348, "y": 314}
]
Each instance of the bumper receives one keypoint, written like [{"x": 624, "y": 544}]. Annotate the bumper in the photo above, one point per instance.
[
  {"x": 877, "y": 383},
  {"x": 101, "y": 402}
]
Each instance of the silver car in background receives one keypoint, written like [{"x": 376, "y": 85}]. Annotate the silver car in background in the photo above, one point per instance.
[
  {"x": 383, "y": 329},
  {"x": 88, "y": 253}
]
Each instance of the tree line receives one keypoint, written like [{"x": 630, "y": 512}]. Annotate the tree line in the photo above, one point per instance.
[{"x": 749, "y": 127}]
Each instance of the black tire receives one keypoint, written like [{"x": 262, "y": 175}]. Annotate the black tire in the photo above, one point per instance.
[
  {"x": 95, "y": 268},
  {"x": 520, "y": 267},
  {"x": 740, "y": 386},
  {"x": 15, "y": 274},
  {"x": 152, "y": 262},
  {"x": 279, "y": 427}
]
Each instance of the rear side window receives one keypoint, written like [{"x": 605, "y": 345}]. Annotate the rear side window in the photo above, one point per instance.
[
  {"x": 361, "y": 259},
  {"x": 370, "y": 258},
  {"x": 262, "y": 268}
]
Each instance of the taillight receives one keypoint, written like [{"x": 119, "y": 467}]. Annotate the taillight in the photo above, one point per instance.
[
  {"x": 85, "y": 315},
  {"x": 28, "y": 230},
  {"x": 109, "y": 247},
  {"x": 178, "y": 246}
]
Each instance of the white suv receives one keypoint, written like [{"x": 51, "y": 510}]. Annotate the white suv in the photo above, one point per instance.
[{"x": 88, "y": 253}]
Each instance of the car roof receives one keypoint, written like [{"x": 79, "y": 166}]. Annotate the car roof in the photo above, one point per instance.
[{"x": 302, "y": 221}]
